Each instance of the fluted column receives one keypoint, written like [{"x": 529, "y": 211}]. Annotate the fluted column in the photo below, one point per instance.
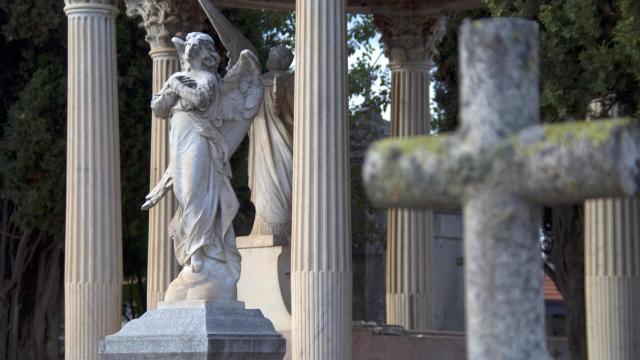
[
  {"x": 93, "y": 236},
  {"x": 612, "y": 267},
  {"x": 162, "y": 19},
  {"x": 321, "y": 237},
  {"x": 162, "y": 266},
  {"x": 410, "y": 284}
]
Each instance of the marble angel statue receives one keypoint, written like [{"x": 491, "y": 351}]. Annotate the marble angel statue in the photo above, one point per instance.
[
  {"x": 209, "y": 117},
  {"x": 271, "y": 132}
]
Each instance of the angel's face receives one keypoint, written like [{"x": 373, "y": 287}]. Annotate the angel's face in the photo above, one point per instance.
[{"x": 192, "y": 49}]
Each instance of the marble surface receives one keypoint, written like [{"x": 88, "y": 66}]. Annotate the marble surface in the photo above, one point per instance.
[{"x": 196, "y": 330}]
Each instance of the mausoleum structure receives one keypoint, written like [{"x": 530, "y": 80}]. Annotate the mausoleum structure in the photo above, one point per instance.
[{"x": 320, "y": 244}]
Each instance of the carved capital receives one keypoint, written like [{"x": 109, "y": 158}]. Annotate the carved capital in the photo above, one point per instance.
[
  {"x": 84, "y": 7},
  {"x": 90, "y": 2},
  {"x": 410, "y": 39},
  {"x": 164, "y": 19}
]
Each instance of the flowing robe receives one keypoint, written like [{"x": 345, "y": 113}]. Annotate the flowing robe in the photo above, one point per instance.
[
  {"x": 271, "y": 156},
  {"x": 199, "y": 172}
]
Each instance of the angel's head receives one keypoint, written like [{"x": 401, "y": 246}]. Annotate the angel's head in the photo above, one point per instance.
[
  {"x": 200, "y": 49},
  {"x": 280, "y": 58}
]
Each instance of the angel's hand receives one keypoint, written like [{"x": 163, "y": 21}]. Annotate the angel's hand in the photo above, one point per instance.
[
  {"x": 147, "y": 205},
  {"x": 187, "y": 81}
]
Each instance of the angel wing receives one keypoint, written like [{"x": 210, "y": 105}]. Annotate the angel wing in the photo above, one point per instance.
[
  {"x": 232, "y": 39},
  {"x": 180, "y": 44},
  {"x": 240, "y": 97}
]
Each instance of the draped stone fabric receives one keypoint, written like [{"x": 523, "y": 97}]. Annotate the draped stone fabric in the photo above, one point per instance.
[
  {"x": 271, "y": 156},
  {"x": 200, "y": 174}
]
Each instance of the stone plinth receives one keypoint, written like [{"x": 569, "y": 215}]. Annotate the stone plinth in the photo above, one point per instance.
[
  {"x": 265, "y": 280},
  {"x": 196, "y": 330}
]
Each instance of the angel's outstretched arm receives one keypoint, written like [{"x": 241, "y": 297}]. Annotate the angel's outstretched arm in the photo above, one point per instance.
[
  {"x": 231, "y": 37},
  {"x": 159, "y": 191}
]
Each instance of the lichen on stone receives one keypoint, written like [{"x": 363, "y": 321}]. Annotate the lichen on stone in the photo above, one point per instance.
[
  {"x": 596, "y": 132},
  {"x": 437, "y": 145}
]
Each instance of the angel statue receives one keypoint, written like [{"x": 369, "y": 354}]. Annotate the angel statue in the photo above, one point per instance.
[
  {"x": 271, "y": 132},
  {"x": 209, "y": 117}
]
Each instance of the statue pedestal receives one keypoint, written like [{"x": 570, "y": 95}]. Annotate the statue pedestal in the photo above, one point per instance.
[
  {"x": 196, "y": 330},
  {"x": 265, "y": 279}
]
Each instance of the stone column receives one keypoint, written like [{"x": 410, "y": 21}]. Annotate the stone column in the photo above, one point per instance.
[
  {"x": 162, "y": 19},
  {"x": 93, "y": 236},
  {"x": 321, "y": 235},
  {"x": 410, "y": 284},
  {"x": 612, "y": 276}
]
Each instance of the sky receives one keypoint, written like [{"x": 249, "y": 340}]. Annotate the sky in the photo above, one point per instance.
[{"x": 380, "y": 59}]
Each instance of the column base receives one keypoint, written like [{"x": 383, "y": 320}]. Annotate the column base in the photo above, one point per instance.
[{"x": 196, "y": 330}]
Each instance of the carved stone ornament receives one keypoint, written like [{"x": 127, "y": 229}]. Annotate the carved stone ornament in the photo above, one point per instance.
[
  {"x": 164, "y": 19},
  {"x": 91, "y": 2},
  {"x": 410, "y": 39}
]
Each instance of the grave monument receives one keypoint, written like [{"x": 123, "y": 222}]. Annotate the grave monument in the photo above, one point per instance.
[
  {"x": 201, "y": 317},
  {"x": 501, "y": 165}
]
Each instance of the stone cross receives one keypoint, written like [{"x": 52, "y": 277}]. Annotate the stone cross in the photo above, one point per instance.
[{"x": 500, "y": 166}]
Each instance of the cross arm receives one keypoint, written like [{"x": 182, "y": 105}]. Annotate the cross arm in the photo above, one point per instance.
[
  {"x": 571, "y": 162},
  {"x": 551, "y": 164},
  {"x": 416, "y": 172}
]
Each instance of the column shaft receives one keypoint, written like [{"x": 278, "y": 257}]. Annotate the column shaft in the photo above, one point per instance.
[
  {"x": 321, "y": 235},
  {"x": 162, "y": 266},
  {"x": 612, "y": 275},
  {"x": 93, "y": 236},
  {"x": 410, "y": 282}
]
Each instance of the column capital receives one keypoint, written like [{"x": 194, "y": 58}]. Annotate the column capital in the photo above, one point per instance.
[
  {"x": 410, "y": 40},
  {"x": 163, "y": 19},
  {"x": 104, "y": 7},
  {"x": 91, "y": 2}
]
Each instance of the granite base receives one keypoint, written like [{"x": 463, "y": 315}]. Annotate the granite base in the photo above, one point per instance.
[{"x": 196, "y": 330}]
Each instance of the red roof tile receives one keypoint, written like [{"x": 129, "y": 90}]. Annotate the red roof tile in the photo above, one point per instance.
[{"x": 551, "y": 292}]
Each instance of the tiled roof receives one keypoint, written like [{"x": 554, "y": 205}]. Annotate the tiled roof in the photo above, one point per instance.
[{"x": 551, "y": 292}]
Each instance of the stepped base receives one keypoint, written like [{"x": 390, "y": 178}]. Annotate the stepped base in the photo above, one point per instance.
[{"x": 196, "y": 330}]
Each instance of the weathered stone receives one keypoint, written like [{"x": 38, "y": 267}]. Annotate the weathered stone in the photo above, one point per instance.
[
  {"x": 196, "y": 330},
  {"x": 500, "y": 165}
]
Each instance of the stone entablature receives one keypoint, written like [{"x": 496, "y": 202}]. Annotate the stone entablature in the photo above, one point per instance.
[{"x": 418, "y": 7}]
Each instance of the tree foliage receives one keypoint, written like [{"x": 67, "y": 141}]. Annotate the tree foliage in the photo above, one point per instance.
[
  {"x": 368, "y": 80},
  {"x": 589, "y": 49}
]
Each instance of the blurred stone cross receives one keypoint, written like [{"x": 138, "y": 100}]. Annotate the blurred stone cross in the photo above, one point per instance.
[{"x": 501, "y": 166}]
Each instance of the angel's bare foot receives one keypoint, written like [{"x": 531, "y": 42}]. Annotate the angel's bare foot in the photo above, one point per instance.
[{"x": 196, "y": 261}]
